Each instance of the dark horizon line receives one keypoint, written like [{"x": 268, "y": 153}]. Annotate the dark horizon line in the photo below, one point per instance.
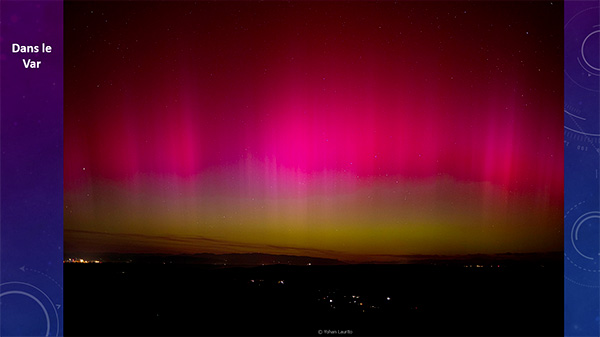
[
  {"x": 400, "y": 259},
  {"x": 144, "y": 243}
]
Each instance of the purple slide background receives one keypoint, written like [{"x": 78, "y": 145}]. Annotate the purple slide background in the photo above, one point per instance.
[
  {"x": 31, "y": 176},
  {"x": 582, "y": 162}
]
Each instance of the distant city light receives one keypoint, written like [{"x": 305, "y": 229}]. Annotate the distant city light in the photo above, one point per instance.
[{"x": 76, "y": 260}]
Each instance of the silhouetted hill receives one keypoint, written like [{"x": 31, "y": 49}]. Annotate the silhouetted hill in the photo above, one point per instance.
[
  {"x": 258, "y": 259},
  {"x": 250, "y": 259},
  {"x": 473, "y": 259}
]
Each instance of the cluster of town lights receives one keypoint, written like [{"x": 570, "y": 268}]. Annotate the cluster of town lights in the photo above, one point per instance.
[{"x": 71, "y": 260}]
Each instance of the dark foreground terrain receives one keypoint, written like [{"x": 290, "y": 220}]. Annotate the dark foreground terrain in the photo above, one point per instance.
[{"x": 123, "y": 299}]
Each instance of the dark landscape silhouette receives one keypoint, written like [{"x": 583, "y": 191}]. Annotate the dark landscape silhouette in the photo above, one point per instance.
[{"x": 235, "y": 294}]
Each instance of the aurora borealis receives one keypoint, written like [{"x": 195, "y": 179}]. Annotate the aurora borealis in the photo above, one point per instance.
[{"x": 350, "y": 130}]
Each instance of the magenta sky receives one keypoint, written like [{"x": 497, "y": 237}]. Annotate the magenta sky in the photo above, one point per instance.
[{"x": 332, "y": 129}]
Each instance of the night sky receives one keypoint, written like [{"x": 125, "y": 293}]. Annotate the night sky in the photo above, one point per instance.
[{"x": 349, "y": 130}]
